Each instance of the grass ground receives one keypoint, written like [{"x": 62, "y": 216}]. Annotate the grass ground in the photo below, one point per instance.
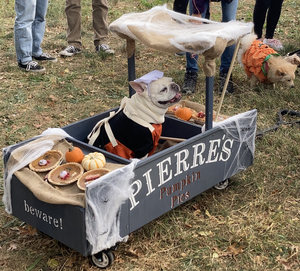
[{"x": 251, "y": 225}]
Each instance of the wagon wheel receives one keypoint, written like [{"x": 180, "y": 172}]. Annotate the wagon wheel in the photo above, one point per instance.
[
  {"x": 103, "y": 259},
  {"x": 222, "y": 185}
]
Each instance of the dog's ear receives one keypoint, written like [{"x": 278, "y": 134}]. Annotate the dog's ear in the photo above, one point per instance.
[
  {"x": 280, "y": 73},
  {"x": 138, "y": 87},
  {"x": 293, "y": 59}
]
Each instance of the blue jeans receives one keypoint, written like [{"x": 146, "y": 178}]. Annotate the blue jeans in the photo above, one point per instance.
[
  {"x": 228, "y": 14},
  {"x": 29, "y": 28}
]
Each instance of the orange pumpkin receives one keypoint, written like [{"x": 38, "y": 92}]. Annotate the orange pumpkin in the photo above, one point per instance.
[
  {"x": 74, "y": 154},
  {"x": 183, "y": 113}
]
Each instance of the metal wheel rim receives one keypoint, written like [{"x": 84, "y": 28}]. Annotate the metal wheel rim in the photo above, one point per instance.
[
  {"x": 103, "y": 263},
  {"x": 222, "y": 185}
]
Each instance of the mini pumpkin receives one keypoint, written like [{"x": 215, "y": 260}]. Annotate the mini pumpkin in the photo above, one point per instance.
[
  {"x": 74, "y": 154},
  {"x": 93, "y": 160},
  {"x": 183, "y": 113}
]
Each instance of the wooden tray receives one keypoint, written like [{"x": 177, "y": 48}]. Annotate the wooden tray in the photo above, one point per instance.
[
  {"x": 195, "y": 109},
  {"x": 53, "y": 158},
  {"x": 74, "y": 170},
  {"x": 81, "y": 183}
]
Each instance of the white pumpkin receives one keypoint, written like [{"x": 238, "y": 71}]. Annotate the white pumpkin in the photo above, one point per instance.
[{"x": 93, "y": 160}]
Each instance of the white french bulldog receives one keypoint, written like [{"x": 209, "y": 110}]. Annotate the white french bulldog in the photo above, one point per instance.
[{"x": 134, "y": 131}]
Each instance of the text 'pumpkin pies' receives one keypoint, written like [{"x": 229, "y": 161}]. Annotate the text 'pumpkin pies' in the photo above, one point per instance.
[
  {"x": 90, "y": 176},
  {"x": 65, "y": 174},
  {"x": 46, "y": 162}
]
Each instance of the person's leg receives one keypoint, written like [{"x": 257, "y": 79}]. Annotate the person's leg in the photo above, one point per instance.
[
  {"x": 191, "y": 74},
  {"x": 38, "y": 27},
  {"x": 273, "y": 17},
  {"x": 73, "y": 13},
  {"x": 272, "y": 20},
  {"x": 191, "y": 61},
  {"x": 180, "y": 6},
  {"x": 259, "y": 16},
  {"x": 228, "y": 14},
  {"x": 25, "y": 14},
  {"x": 100, "y": 25}
]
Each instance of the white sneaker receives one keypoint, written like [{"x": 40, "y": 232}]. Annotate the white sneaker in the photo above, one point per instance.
[
  {"x": 273, "y": 43},
  {"x": 70, "y": 51},
  {"x": 104, "y": 48}
]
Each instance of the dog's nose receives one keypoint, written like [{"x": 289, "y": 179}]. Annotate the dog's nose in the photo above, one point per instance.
[{"x": 292, "y": 86}]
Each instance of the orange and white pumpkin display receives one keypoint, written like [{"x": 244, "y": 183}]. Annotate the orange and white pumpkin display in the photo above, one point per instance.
[{"x": 93, "y": 160}]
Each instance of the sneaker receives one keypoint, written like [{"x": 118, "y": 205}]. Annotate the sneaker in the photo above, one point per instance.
[
  {"x": 45, "y": 57},
  {"x": 31, "y": 66},
  {"x": 222, "y": 79},
  {"x": 70, "y": 51},
  {"x": 189, "y": 82},
  {"x": 273, "y": 43},
  {"x": 104, "y": 48}
]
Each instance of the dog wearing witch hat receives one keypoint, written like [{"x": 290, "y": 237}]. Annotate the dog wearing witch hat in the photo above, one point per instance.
[{"x": 263, "y": 64}]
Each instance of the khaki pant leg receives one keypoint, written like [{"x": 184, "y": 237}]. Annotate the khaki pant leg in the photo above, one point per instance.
[
  {"x": 100, "y": 24},
  {"x": 73, "y": 13}
]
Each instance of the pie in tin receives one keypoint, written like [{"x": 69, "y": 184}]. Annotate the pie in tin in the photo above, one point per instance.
[
  {"x": 46, "y": 162},
  {"x": 65, "y": 174},
  {"x": 90, "y": 176}
]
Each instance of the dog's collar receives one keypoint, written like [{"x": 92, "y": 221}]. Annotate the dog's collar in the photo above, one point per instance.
[{"x": 265, "y": 65}]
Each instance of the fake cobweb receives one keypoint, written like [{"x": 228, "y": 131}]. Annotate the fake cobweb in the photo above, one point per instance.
[
  {"x": 104, "y": 198},
  {"x": 169, "y": 31},
  {"x": 106, "y": 195},
  {"x": 240, "y": 129},
  {"x": 26, "y": 154}
]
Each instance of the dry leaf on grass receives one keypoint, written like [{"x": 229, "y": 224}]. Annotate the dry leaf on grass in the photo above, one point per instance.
[
  {"x": 286, "y": 264},
  {"x": 221, "y": 253},
  {"x": 231, "y": 251},
  {"x": 259, "y": 259},
  {"x": 197, "y": 212},
  {"x": 37, "y": 125},
  {"x": 29, "y": 230},
  {"x": 53, "y": 98},
  {"x": 207, "y": 213},
  {"x": 52, "y": 263},
  {"x": 134, "y": 252},
  {"x": 206, "y": 233},
  {"x": 12, "y": 247},
  {"x": 235, "y": 250}
]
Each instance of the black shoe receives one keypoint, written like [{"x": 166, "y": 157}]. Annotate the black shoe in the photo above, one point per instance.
[
  {"x": 189, "y": 82},
  {"x": 45, "y": 57},
  {"x": 222, "y": 79},
  {"x": 180, "y": 54},
  {"x": 31, "y": 66}
]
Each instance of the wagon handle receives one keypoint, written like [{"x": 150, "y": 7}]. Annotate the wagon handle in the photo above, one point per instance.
[
  {"x": 176, "y": 139},
  {"x": 227, "y": 78}
]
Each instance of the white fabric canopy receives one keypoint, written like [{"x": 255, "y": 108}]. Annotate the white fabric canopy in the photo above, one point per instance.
[{"x": 170, "y": 31}]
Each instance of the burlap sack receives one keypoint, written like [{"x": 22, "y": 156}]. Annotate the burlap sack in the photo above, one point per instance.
[{"x": 44, "y": 191}]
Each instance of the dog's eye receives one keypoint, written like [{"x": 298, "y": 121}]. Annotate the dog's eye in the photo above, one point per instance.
[{"x": 164, "y": 89}]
